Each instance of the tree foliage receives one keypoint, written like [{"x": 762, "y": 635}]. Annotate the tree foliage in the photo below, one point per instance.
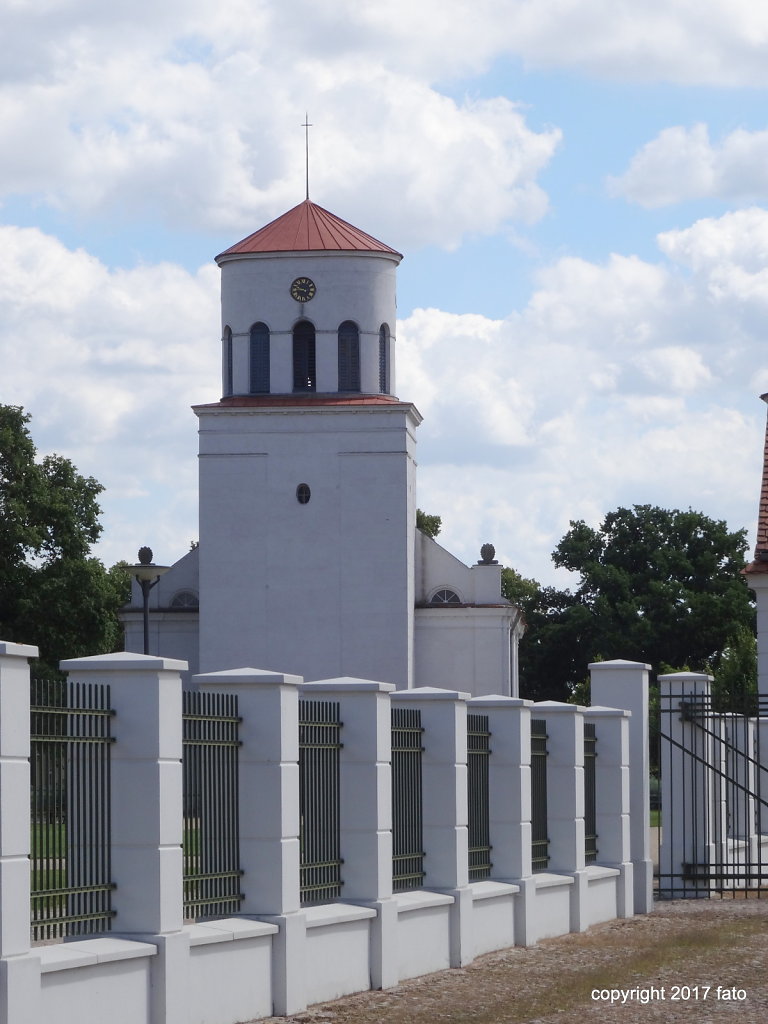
[
  {"x": 428, "y": 524},
  {"x": 656, "y": 585},
  {"x": 52, "y": 594}
]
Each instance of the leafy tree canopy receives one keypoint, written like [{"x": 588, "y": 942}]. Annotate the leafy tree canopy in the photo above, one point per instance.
[
  {"x": 52, "y": 594},
  {"x": 656, "y": 585},
  {"x": 428, "y": 524}
]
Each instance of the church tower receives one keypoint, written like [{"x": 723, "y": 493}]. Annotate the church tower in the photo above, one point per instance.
[{"x": 307, "y": 472}]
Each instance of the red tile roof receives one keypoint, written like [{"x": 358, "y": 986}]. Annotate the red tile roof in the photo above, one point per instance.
[
  {"x": 760, "y": 564},
  {"x": 308, "y": 228}
]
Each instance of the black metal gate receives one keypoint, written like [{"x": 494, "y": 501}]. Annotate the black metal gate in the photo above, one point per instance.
[
  {"x": 71, "y": 884},
  {"x": 320, "y": 801},
  {"x": 211, "y": 745},
  {"x": 714, "y": 793}
]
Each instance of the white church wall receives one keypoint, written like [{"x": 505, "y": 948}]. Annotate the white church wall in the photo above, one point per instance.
[
  {"x": 467, "y": 647},
  {"x": 437, "y": 568},
  {"x": 324, "y": 588}
]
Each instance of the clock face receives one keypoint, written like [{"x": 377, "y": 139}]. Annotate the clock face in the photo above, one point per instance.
[{"x": 303, "y": 289}]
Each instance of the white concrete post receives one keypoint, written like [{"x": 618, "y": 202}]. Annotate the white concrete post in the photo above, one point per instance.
[
  {"x": 691, "y": 795},
  {"x": 612, "y": 799},
  {"x": 758, "y": 582},
  {"x": 565, "y": 799},
  {"x": 624, "y": 684},
  {"x": 147, "y": 813},
  {"x": 366, "y": 810},
  {"x": 268, "y": 703},
  {"x": 444, "y": 782},
  {"x": 509, "y": 722},
  {"x": 19, "y": 972}
]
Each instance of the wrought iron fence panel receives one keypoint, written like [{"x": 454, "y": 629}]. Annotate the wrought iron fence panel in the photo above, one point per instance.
[
  {"x": 211, "y": 805},
  {"x": 590, "y": 793},
  {"x": 319, "y": 801},
  {"x": 478, "y": 756},
  {"x": 539, "y": 828},
  {"x": 407, "y": 808},
  {"x": 714, "y": 775},
  {"x": 70, "y": 843}
]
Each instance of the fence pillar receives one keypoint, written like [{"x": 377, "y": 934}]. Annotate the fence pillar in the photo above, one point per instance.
[
  {"x": 19, "y": 971},
  {"x": 692, "y": 807},
  {"x": 366, "y": 810},
  {"x": 269, "y": 816},
  {"x": 612, "y": 779},
  {"x": 444, "y": 782},
  {"x": 509, "y": 784},
  {"x": 624, "y": 684},
  {"x": 147, "y": 817}
]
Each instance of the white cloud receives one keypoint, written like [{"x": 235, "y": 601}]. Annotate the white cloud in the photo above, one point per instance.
[
  {"x": 634, "y": 383},
  {"x": 188, "y": 116},
  {"x": 108, "y": 364},
  {"x": 182, "y": 110},
  {"x": 682, "y": 164},
  {"x": 616, "y": 383}
]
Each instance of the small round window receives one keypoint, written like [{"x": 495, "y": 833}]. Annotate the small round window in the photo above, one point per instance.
[{"x": 303, "y": 494}]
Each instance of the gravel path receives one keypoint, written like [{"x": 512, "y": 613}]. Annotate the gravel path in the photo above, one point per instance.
[{"x": 664, "y": 967}]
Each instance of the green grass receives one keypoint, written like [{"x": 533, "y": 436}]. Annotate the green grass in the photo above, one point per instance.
[
  {"x": 655, "y": 819},
  {"x": 49, "y": 840}
]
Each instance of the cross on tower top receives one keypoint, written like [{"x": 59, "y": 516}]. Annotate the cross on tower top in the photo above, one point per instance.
[{"x": 306, "y": 126}]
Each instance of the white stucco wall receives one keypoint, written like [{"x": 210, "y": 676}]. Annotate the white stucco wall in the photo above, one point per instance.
[
  {"x": 469, "y": 646},
  {"x": 326, "y": 588}
]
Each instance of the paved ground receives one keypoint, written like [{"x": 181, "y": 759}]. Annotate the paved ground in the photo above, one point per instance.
[{"x": 664, "y": 967}]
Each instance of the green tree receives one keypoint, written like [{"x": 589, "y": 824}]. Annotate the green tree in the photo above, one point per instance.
[
  {"x": 428, "y": 524},
  {"x": 735, "y": 672},
  {"x": 52, "y": 593},
  {"x": 656, "y": 585}
]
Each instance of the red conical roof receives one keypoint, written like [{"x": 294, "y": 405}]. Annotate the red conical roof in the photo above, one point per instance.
[
  {"x": 308, "y": 228},
  {"x": 760, "y": 563}
]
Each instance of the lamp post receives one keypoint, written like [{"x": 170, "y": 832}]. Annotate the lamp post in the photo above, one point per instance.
[{"x": 147, "y": 574}]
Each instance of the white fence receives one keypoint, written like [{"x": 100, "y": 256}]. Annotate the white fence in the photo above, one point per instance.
[{"x": 278, "y": 956}]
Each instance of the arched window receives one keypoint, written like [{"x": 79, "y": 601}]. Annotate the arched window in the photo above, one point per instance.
[
  {"x": 185, "y": 599},
  {"x": 384, "y": 359},
  {"x": 304, "y": 375},
  {"x": 259, "y": 360},
  {"x": 349, "y": 357},
  {"x": 228, "y": 374},
  {"x": 445, "y": 596}
]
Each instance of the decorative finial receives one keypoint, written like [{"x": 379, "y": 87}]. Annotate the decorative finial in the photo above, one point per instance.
[
  {"x": 145, "y": 556},
  {"x": 487, "y": 553},
  {"x": 306, "y": 126}
]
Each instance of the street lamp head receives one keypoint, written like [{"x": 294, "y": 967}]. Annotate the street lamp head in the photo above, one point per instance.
[{"x": 145, "y": 570}]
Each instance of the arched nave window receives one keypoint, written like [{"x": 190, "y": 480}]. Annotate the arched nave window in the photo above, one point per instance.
[
  {"x": 384, "y": 359},
  {"x": 228, "y": 383},
  {"x": 445, "y": 596},
  {"x": 259, "y": 359},
  {"x": 304, "y": 373},
  {"x": 349, "y": 357}
]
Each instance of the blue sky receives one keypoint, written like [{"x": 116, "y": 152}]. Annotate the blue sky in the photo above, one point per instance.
[{"x": 578, "y": 186}]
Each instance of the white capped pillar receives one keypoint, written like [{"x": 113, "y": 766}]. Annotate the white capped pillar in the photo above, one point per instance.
[
  {"x": 19, "y": 972},
  {"x": 624, "y": 684}
]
